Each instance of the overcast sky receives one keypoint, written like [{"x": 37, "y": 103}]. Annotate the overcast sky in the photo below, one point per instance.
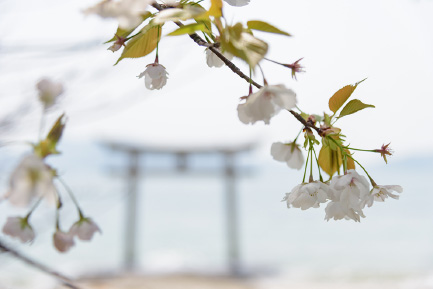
[{"x": 342, "y": 42}]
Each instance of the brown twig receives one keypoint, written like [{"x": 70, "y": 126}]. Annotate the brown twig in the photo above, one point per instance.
[
  {"x": 212, "y": 47},
  {"x": 65, "y": 280},
  {"x": 306, "y": 123}
]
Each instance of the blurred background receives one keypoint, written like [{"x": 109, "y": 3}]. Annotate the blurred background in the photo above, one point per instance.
[{"x": 181, "y": 200}]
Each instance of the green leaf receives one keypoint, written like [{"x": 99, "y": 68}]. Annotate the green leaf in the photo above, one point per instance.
[
  {"x": 243, "y": 45},
  {"x": 350, "y": 162},
  {"x": 126, "y": 32},
  {"x": 142, "y": 44},
  {"x": 341, "y": 96},
  {"x": 178, "y": 14},
  {"x": 353, "y": 106},
  {"x": 57, "y": 130},
  {"x": 266, "y": 27},
  {"x": 327, "y": 119},
  {"x": 305, "y": 115},
  {"x": 48, "y": 146},
  {"x": 215, "y": 9},
  {"x": 329, "y": 160},
  {"x": 189, "y": 29}
]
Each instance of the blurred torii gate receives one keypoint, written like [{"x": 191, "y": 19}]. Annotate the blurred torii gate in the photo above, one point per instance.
[{"x": 134, "y": 170}]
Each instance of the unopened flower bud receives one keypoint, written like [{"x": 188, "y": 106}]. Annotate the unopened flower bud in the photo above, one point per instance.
[
  {"x": 63, "y": 241},
  {"x": 48, "y": 92}
]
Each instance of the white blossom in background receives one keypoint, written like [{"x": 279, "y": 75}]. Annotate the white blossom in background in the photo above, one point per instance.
[
  {"x": 348, "y": 196},
  {"x": 177, "y": 14},
  {"x": 155, "y": 76},
  {"x": 84, "y": 229},
  {"x": 238, "y": 2},
  {"x": 48, "y": 92},
  {"x": 308, "y": 195},
  {"x": 63, "y": 241},
  {"x": 266, "y": 103},
  {"x": 127, "y": 12},
  {"x": 18, "y": 227},
  {"x": 288, "y": 153},
  {"x": 213, "y": 60},
  {"x": 32, "y": 178},
  {"x": 380, "y": 193}
]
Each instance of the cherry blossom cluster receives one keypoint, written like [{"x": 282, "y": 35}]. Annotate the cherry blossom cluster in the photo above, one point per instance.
[
  {"x": 33, "y": 180},
  {"x": 138, "y": 41},
  {"x": 346, "y": 192}
]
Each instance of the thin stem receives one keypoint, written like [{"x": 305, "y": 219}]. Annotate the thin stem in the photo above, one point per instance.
[
  {"x": 157, "y": 39},
  {"x": 57, "y": 220},
  {"x": 65, "y": 280},
  {"x": 212, "y": 47},
  {"x": 311, "y": 162},
  {"x": 33, "y": 208},
  {"x": 58, "y": 206},
  {"x": 306, "y": 165},
  {"x": 263, "y": 74},
  {"x": 41, "y": 125},
  {"x": 299, "y": 133},
  {"x": 299, "y": 109},
  {"x": 348, "y": 155},
  {"x": 318, "y": 166},
  {"x": 344, "y": 160},
  {"x": 276, "y": 62},
  {"x": 361, "y": 150},
  {"x": 371, "y": 179},
  {"x": 197, "y": 39},
  {"x": 71, "y": 194},
  {"x": 205, "y": 37}
]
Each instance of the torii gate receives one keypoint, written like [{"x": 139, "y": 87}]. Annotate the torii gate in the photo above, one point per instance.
[{"x": 228, "y": 153}]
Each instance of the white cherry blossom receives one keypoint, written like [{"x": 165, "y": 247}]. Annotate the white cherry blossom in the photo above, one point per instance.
[
  {"x": 308, "y": 195},
  {"x": 49, "y": 92},
  {"x": 84, "y": 229},
  {"x": 238, "y": 2},
  {"x": 380, "y": 193},
  {"x": 213, "y": 60},
  {"x": 288, "y": 153},
  {"x": 266, "y": 103},
  {"x": 155, "y": 76},
  {"x": 348, "y": 196},
  {"x": 127, "y": 12},
  {"x": 63, "y": 241},
  {"x": 18, "y": 227},
  {"x": 32, "y": 178}
]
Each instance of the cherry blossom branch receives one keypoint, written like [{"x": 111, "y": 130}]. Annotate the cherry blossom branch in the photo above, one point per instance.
[
  {"x": 214, "y": 48},
  {"x": 65, "y": 280},
  {"x": 306, "y": 123}
]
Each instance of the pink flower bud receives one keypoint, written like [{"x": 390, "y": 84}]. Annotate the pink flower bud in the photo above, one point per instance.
[{"x": 63, "y": 241}]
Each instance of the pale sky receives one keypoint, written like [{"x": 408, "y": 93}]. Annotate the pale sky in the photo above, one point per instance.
[{"x": 342, "y": 42}]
